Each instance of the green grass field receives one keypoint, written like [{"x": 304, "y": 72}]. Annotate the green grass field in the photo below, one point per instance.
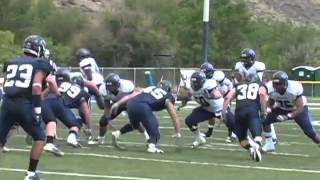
[{"x": 296, "y": 157}]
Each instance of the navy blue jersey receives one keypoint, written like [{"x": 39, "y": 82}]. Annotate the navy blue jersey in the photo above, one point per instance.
[
  {"x": 155, "y": 97},
  {"x": 247, "y": 95},
  {"x": 19, "y": 75},
  {"x": 72, "y": 94}
]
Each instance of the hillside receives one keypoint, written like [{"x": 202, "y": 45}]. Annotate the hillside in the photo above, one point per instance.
[{"x": 297, "y": 11}]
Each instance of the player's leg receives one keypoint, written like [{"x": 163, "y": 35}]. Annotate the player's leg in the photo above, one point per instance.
[
  {"x": 5, "y": 127},
  {"x": 244, "y": 120},
  {"x": 271, "y": 118},
  {"x": 104, "y": 123},
  {"x": 230, "y": 123},
  {"x": 198, "y": 115},
  {"x": 304, "y": 121},
  {"x": 211, "y": 123},
  {"x": 67, "y": 117},
  {"x": 150, "y": 123},
  {"x": 51, "y": 128},
  {"x": 273, "y": 134},
  {"x": 33, "y": 128}
]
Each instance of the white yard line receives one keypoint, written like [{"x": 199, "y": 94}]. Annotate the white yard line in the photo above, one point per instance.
[
  {"x": 194, "y": 162},
  {"x": 79, "y": 174}
]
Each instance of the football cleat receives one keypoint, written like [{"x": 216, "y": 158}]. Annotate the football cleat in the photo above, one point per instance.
[
  {"x": 200, "y": 140},
  {"x": 153, "y": 149},
  {"x": 99, "y": 140},
  {"x": 35, "y": 176},
  {"x": 49, "y": 147},
  {"x": 268, "y": 147},
  {"x": 72, "y": 140},
  {"x": 275, "y": 141},
  {"x": 115, "y": 136},
  {"x": 231, "y": 139}
]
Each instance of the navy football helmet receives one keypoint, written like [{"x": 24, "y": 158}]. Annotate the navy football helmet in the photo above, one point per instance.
[
  {"x": 34, "y": 45},
  {"x": 253, "y": 78},
  {"x": 165, "y": 85},
  {"x": 63, "y": 75},
  {"x": 280, "y": 81},
  {"x": 248, "y": 57},
  {"x": 208, "y": 69},
  {"x": 112, "y": 82},
  {"x": 83, "y": 53},
  {"x": 197, "y": 80}
]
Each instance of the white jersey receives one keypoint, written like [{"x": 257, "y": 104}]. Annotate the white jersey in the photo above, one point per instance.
[
  {"x": 257, "y": 68},
  {"x": 224, "y": 84},
  {"x": 90, "y": 63},
  {"x": 287, "y": 100},
  {"x": 126, "y": 87},
  {"x": 200, "y": 96}
]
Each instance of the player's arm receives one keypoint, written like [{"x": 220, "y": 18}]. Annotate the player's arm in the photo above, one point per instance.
[
  {"x": 51, "y": 80},
  {"x": 126, "y": 98},
  {"x": 263, "y": 96},
  {"x": 213, "y": 93},
  {"x": 227, "y": 100},
  {"x": 88, "y": 73},
  {"x": 299, "y": 107},
  {"x": 92, "y": 86},
  {"x": 38, "y": 78},
  {"x": 85, "y": 110},
  {"x": 260, "y": 70},
  {"x": 174, "y": 117},
  {"x": 107, "y": 106}
]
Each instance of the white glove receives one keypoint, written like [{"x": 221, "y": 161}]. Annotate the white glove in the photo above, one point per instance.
[{"x": 282, "y": 118}]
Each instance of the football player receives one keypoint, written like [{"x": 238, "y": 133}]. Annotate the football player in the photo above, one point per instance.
[
  {"x": 91, "y": 72},
  {"x": 25, "y": 78},
  {"x": 247, "y": 116},
  {"x": 206, "y": 94},
  {"x": 116, "y": 92},
  {"x": 224, "y": 86},
  {"x": 249, "y": 65},
  {"x": 286, "y": 102},
  {"x": 140, "y": 110}
]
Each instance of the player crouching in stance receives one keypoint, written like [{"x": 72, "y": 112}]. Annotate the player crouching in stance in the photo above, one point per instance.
[
  {"x": 140, "y": 110},
  {"x": 247, "y": 95},
  {"x": 286, "y": 101},
  {"x": 204, "y": 92}
]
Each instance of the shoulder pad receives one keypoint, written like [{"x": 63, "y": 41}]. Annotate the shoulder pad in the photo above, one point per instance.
[
  {"x": 44, "y": 65},
  {"x": 260, "y": 66}
]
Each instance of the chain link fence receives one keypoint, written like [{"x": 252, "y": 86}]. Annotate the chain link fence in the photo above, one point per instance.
[{"x": 137, "y": 75}]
